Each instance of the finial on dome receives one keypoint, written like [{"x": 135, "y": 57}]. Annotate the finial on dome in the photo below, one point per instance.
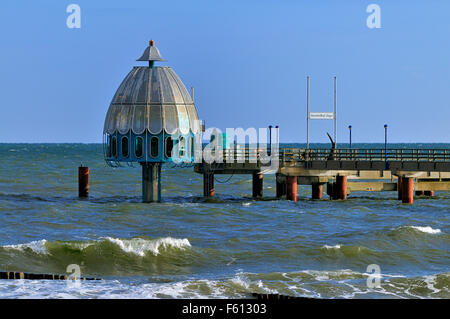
[{"x": 151, "y": 54}]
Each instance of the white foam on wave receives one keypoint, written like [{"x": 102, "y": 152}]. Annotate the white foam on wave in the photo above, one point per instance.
[
  {"x": 38, "y": 246},
  {"x": 241, "y": 285},
  {"x": 338, "y": 246},
  {"x": 426, "y": 229},
  {"x": 140, "y": 246},
  {"x": 137, "y": 246}
]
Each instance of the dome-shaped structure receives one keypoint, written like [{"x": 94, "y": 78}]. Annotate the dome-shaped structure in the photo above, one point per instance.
[
  {"x": 151, "y": 120},
  {"x": 152, "y": 117}
]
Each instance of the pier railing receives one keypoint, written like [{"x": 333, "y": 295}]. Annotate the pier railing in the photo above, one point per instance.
[
  {"x": 429, "y": 155},
  {"x": 256, "y": 155}
]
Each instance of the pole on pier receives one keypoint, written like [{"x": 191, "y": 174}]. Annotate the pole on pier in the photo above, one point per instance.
[
  {"x": 385, "y": 147},
  {"x": 350, "y": 131},
  {"x": 317, "y": 190},
  {"x": 83, "y": 181},
  {"x": 280, "y": 185},
  {"x": 208, "y": 184},
  {"x": 341, "y": 187},
  {"x": 307, "y": 112},
  {"x": 291, "y": 187},
  {"x": 257, "y": 184},
  {"x": 399, "y": 187},
  {"x": 335, "y": 113},
  {"x": 407, "y": 190},
  {"x": 151, "y": 182},
  {"x": 270, "y": 140}
]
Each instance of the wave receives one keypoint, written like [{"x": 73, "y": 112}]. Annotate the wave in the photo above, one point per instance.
[
  {"x": 37, "y": 246},
  {"x": 137, "y": 246},
  {"x": 141, "y": 246},
  {"x": 332, "y": 247},
  {"x": 417, "y": 229},
  {"x": 105, "y": 256},
  {"x": 426, "y": 229}
]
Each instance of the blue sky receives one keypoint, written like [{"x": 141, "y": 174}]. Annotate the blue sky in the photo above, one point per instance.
[{"x": 248, "y": 62}]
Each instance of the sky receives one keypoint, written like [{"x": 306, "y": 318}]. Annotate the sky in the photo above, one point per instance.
[{"x": 247, "y": 59}]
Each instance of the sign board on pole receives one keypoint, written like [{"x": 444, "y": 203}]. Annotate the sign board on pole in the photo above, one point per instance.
[{"x": 321, "y": 115}]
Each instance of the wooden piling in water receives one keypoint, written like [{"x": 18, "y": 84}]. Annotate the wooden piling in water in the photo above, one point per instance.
[
  {"x": 429, "y": 193},
  {"x": 257, "y": 184},
  {"x": 276, "y": 297},
  {"x": 31, "y": 276},
  {"x": 317, "y": 190},
  {"x": 399, "y": 188},
  {"x": 208, "y": 184},
  {"x": 83, "y": 181},
  {"x": 280, "y": 185}
]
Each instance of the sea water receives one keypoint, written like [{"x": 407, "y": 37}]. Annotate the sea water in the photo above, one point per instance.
[{"x": 229, "y": 246}]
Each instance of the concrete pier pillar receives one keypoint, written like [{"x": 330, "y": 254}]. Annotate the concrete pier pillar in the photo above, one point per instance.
[
  {"x": 407, "y": 190},
  {"x": 257, "y": 184},
  {"x": 341, "y": 187},
  {"x": 399, "y": 187},
  {"x": 317, "y": 191},
  {"x": 280, "y": 185},
  {"x": 151, "y": 182},
  {"x": 208, "y": 184},
  {"x": 291, "y": 188},
  {"x": 83, "y": 181},
  {"x": 429, "y": 193}
]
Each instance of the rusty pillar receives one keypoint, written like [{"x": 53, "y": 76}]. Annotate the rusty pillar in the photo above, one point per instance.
[
  {"x": 399, "y": 187},
  {"x": 407, "y": 190},
  {"x": 341, "y": 187},
  {"x": 208, "y": 184},
  {"x": 83, "y": 181},
  {"x": 429, "y": 193},
  {"x": 317, "y": 190},
  {"x": 280, "y": 185},
  {"x": 257, "y": 184},
  {"x": 291, "y": 188}
]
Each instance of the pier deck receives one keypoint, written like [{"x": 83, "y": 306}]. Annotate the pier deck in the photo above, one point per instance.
[{"x": 423, "y": 170}]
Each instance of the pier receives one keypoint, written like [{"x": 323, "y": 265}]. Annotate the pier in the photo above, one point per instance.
[{"x": 341, "y": 171}]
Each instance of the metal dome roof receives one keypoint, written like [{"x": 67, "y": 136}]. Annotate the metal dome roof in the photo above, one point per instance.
[{"x": 152, "y": 98}]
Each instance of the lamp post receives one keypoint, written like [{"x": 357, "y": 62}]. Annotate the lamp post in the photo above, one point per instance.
[
  {"x": 385, "y": 146},
  {"x": 350, "y": 131},
  {"x": 270, "y": 140}
]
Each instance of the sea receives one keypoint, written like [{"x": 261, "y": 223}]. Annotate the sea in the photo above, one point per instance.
[{"x": 228, "y": 246}]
